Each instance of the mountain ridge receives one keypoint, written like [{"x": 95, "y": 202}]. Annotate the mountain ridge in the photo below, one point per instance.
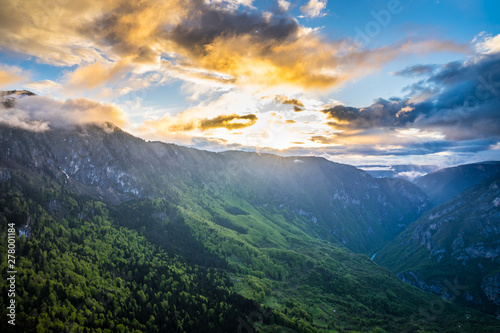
[
  {"x": 456, "y": 240},
  {"x": 444, "y": 184},
  {"x": 118, "y": 166}
]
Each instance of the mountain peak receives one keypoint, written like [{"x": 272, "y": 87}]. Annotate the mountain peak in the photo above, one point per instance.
[
  {"x": 20, "y": 93},
  {"x": 9, "y": 97}
]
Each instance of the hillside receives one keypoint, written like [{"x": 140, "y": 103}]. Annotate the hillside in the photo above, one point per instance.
[
  {"x": 456, "y": 243},
  {"x": 178, "y": 239},
  {"x": 336, "y": 202}
]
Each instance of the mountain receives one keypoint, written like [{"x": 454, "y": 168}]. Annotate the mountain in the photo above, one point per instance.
[
  {"x": 405, "y": 171},
  {"x": 335, "y": 202},
  {"x": 454, "y": 244},
  {"x": 120, "y": 234},
  {"x": 444, "y": 184},
  {"x": 9, "y": 97}
]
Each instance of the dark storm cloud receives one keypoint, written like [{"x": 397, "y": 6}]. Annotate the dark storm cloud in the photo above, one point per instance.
[
  {"x": 461, "y": 100},
  {"x": 205, "y": 25},
  {"x": 468, "y": 103},
  {"x": 196, "y": 26},
  {"x": 382, "y": 113}
]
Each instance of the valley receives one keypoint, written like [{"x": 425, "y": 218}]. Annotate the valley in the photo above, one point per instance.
[{"x": 280, "y": 243}]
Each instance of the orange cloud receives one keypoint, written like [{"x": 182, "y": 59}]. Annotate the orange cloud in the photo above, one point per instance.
[
  {"x": 289, "y": 101},
  {"x": 10, "y": 75},
  {"x": 96, "y": 74},
  {"x": 305, "y": 62},
  {"x": 230, "y": 122},
  {"x": 247, "y": 47}
]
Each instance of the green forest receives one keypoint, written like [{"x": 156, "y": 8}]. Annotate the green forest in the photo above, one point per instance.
[{"x": 153, "y": 265}]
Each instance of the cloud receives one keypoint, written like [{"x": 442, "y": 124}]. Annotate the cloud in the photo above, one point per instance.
[
  {"x": 43, "y": 87},
  {"x": 229, "y": 41},
  {"x": 360, "y": 62},
  {"x": 96, "y": 74},
  {"x": 467, "y": 100},
  {"x": 416, "y": 70},
  {"x": 235, "y": 118},
  {"x": 381, "y": 114},
  {"x": 220, "y": 118},
  {"x": 283, "y": 5},
  {"x": 411, "y": 175},
  {"x": 209, "y": 24},
  {"x": 461, "y": 101},
  {"x": 199, "y": 78},
  {"x": 487, "y": 44},
  {"x": 230, "y": 122},
  {"x": 323, "y": 139},
  {"x": 389, "y": 143},
  {"x": 41, "y": 113},
  {"x": 314, "y": 8},
  {"x": 50, "y": 31},
  {"x": 288, "y": 101},
  {"x": 232, "y": 4},
  {"x": 10, "y": 75}
]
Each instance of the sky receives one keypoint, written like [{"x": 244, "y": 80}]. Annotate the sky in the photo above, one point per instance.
[{"x": 361, "y": 82}]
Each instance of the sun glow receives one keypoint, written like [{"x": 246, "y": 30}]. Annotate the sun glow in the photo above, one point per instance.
[{"x": 271, "y": 130}]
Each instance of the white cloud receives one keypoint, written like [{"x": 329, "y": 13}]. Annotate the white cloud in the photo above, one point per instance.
[
  {"x": 487, "y": 44},
  {"x": 314, "y": 8},
  {"x": 411, "y": 175},
  {"x": 231, "y": 4},
  {"x": 284, "y": 5},
  {"x": 43, "y": 87},
  {"x": 41, "y": 113}
]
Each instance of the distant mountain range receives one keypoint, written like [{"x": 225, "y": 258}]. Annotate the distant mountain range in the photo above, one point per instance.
[{"x": 444, "y": 184}]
